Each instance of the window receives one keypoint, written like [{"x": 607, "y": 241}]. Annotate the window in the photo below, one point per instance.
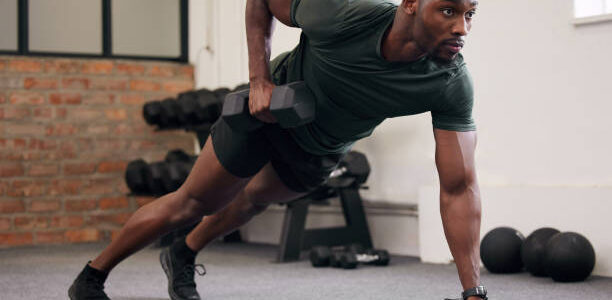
[
  {"x": 8, "y": 23},
  {"x": 147, "y": 29},
  {"x": 51, "y": 26},
  {"x": 152, "y": 31},
  {"x": 589, "y": 8}
]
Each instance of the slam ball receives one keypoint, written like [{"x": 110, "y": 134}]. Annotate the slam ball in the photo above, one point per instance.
[
  {"x": 534, "y": 248},
  {"x": 500, "y": 250},
  {"x": 569, "y": 257}
]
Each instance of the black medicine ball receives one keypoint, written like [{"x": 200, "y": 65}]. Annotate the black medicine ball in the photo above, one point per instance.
[
  {"x": 500, "y": 250},
  {"x": 534, "y": 248},
  {"x": 569, "y": 257}
]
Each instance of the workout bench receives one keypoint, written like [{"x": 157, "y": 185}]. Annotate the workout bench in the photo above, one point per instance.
[{"x": 295, "y": 238}]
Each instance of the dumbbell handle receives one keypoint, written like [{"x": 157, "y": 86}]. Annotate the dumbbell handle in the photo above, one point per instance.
[
  {"x": 338, "y": 172},
  {"x": 366, "y": 258},
  {"x": 292, "y": 104}
]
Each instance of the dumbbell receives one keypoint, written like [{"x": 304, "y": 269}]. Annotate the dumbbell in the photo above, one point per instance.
[
  {"x": 177, "y": 155},
  {"x": 322, "y": 256},
  {"x": 292, "y": 104},
  {"x": 220, "y": 93},
  {"x": 160, "y": 113},
  {"x": 353, "y": 168},
  {"x": 153, "y": 178},
  {"x": 209, "y": 106},
  {"x": 134, "y": 176},
  {"x": 162, "y": 177},
  {"x": 169, "y": 114},
  {"x": 196, "y": 107},
  {"x": 240, "y": 87},
  {"x": 350, "y": 260},
  {"x": 176, "y": 174},
  {"x": 186, "y": 107},
  {"x": 151, "y": 112}
]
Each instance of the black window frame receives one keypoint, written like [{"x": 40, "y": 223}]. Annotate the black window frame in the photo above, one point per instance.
[{"x": 23, "y": 36}]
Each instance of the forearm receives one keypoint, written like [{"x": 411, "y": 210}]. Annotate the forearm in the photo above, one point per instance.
[
  {"x": 259, "y": 28},
  {"x": 461, "y": 212}
]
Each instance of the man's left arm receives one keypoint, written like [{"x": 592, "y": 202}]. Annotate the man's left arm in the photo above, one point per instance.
[{"x": 460, "y": 201}]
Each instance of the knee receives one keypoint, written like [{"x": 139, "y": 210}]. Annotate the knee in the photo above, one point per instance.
[
  {"x": 466, "y": 203},
  {"x": 194, "y": 208},
  {"x": 253, "y": 201},
  {"x": 251, "y": 204}
]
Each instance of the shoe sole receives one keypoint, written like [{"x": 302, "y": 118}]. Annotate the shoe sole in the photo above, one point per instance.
[{"x": 165, "y": 261}]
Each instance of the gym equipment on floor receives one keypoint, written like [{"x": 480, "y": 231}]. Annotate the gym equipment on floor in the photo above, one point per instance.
[
  {"x": 569, "y": 257},
  {"x": 534, "y": 248},
  {"x": 500, "y": 250},
  {"x": 295, "y": 237},
  {"x": 349, "y": 258}
]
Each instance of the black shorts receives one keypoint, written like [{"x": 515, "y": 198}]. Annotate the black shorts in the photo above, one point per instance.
[{"x": 245, "y": 153}]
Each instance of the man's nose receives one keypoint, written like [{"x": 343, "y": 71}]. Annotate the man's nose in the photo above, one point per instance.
[{"x": 461, "y": 27}]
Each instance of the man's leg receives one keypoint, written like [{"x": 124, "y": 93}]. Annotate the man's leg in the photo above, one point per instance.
[
  {"x": 264, "y": 189},
  {"x": 207, "y": 189},
  {"x": 178, "y": 260}
]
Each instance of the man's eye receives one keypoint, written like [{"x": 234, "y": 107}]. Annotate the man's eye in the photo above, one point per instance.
[
  {"x": 447, "y": 12},
  {"x": 470, "y": 14}
]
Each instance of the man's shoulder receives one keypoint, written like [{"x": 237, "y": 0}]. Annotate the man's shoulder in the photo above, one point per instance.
[{"x": 327, "y": 18}]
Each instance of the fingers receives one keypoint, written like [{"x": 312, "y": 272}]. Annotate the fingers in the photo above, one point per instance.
[
  {"x": 259, "y": 102},
  {"x": 261, "y": 112}
]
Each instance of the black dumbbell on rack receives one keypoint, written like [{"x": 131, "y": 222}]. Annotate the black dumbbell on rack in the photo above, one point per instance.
[
  {"x": 190, "y": 109},
  {"x": 159, "y": 178},
  {"x": 292, "y": 104},
  {"x": 352, "y": 169},
  {"x": 197, "y": 107}
]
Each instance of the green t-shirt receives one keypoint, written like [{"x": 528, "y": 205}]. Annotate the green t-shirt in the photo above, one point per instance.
[{"x": 356, "y": 89}]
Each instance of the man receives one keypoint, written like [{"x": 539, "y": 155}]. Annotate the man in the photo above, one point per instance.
[{"x": 365, "y": 61}]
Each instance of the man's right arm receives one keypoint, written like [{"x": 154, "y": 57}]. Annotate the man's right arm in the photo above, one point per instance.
[{"x": 259, "y": 27}]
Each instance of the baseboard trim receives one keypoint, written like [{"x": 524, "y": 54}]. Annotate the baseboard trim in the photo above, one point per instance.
[{"x": 371, "y": 208}]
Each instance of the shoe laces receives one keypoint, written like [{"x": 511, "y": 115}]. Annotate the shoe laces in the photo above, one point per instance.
[{"x": 185, "y": 277}]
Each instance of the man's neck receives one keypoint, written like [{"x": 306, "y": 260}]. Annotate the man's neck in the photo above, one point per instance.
[{"x": 398, "y": 43}]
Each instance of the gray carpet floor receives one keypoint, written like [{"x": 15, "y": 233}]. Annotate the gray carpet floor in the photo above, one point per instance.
[{"x": 248, "y": 271}]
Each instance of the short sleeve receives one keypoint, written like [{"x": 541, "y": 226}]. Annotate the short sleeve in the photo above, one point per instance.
[
  {"x": 318, "y": 19},
  {"x": 454, "y": 111},
  {"x": 327, "y": 19}
]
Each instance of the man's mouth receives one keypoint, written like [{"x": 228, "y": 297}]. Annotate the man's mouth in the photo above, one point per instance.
[{"x": 454, "y": 46}]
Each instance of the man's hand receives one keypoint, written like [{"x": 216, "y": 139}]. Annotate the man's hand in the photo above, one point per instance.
[{"x": 259, "y": 101}]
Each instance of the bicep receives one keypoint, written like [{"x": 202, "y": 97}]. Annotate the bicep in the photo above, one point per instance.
[
  {"x": 281, "y": 10},
  {"x": 455, "y": 159}
]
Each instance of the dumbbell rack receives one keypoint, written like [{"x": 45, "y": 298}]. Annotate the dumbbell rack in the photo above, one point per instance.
[
  {"x": 202, "y": 131},
  {"x": 295, "y": 237}
]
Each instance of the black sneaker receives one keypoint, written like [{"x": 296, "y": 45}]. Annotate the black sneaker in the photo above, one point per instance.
[
  {"x": 89, "y": 285},
  {"x": 180, "y": 271}
]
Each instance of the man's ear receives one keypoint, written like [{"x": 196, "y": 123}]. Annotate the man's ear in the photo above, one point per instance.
[{"x": 409, "y": 6}]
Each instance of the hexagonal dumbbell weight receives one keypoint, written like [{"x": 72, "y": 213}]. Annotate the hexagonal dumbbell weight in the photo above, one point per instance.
[{"x": 292, "y": 104}]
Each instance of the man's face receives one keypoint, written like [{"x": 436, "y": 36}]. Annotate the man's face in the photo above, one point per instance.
[{"x": 441, "y": 26}]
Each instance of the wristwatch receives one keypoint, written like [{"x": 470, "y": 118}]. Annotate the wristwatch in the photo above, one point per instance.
[{"x": 478, "y": 291}]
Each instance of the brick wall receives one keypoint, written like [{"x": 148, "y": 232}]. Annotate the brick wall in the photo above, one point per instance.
[{"x": 68, "y": 128}]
